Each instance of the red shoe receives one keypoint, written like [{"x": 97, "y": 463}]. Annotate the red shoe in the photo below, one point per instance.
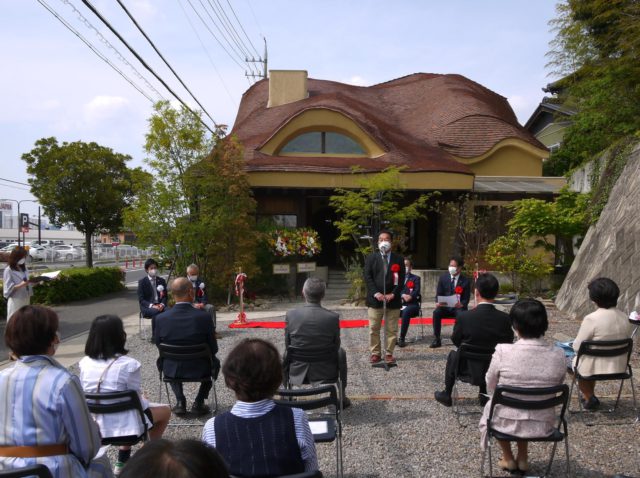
[
  {"x": 389, "y": 359},
  {"x": 374, "y": 359}
]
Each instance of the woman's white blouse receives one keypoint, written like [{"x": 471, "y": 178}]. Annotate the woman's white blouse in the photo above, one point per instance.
[{"x": 124, "y": 374}]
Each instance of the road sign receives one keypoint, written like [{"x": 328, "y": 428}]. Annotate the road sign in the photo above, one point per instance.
[
  {"x": 24, "y": 222},
  {"x": 115, "y": 244}
]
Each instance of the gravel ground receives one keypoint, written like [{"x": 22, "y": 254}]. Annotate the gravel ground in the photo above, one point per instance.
[{"x": 396, "y": 429}]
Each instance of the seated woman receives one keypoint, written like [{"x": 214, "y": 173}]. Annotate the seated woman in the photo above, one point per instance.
[
  {"x": 44, "y": 414},
  {"x": 606, "y": 323},
  {"x": 530, "y": 362},
  {"x": 183, "y": 458},
  {"x": 106, "y": 368},
  {"x": 253, "y": 371}
]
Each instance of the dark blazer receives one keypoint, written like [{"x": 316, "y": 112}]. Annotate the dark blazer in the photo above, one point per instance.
[
  {"x": 484, "y": 326},
  {"x": 145, "y": 292},
  {"x": 415, "y": 292},
  {"x": 199, "y": 299},
  {"x": 444, "y": 288},
  {"x": 312, "y": 326},
  {"x": 183, "y": 324},
  {"x": 377, "y": 281}
]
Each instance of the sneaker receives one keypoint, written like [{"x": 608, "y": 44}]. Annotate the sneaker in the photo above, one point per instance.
[{"x": 117, "y": 468}]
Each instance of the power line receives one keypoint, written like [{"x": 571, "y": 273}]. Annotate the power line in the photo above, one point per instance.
[
  {"x": 255, "y": 18},
  {"x": 238, "y": 55},
  {"x": 207, "y": 53},
  {"x": 214, "y": 35},
  {"x": 94, "y": 50},
  {"x": 243, "y": 30},
  {"x": 106, "y": 42},
  {"x": 226, "y": 23},
  {"x": 164, "y": 60},
  {"x": 144, "y": 63},
  {"x": 12, "y": 181}
]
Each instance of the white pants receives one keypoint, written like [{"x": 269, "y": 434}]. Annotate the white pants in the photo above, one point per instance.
[{"x": 14, "y": 304}]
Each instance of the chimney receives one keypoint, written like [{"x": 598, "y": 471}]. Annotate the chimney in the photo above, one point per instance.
[{"x": 287, "y": 86}]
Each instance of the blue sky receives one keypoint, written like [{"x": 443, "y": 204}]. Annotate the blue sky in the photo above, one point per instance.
[{"x": 53, "y": 85}]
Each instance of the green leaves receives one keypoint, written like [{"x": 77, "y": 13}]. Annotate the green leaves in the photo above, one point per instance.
[{"x": 84, "y": 184}]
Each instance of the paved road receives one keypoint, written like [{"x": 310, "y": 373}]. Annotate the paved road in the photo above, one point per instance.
[{"x": 76, "y": 317}]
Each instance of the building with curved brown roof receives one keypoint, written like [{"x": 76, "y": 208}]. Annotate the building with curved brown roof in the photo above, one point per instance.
[{"x": 304, "y": 137}]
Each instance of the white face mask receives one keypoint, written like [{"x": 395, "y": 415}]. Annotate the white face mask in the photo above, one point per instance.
[
  {"x": 22, "y": 261},
  {"x": 152, "y": 272},
  {"x": 384, "y": 246},
  {"x": 453, "y": 270},
  {"x": 192, "y": 278}
]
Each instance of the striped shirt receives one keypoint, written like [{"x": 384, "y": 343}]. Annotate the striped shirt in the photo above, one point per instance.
[
  {"x": 257, "y": 409},
  {"x": 43, "y": 404}
]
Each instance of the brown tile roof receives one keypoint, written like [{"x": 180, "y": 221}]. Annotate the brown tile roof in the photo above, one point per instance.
[{"x": 420, "y": 120}]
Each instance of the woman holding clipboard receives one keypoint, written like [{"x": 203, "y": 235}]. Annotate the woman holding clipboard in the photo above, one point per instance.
[{"x": 16, "y": 286}]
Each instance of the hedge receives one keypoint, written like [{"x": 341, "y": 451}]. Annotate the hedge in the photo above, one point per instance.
[{"x": 75, "y": 284}]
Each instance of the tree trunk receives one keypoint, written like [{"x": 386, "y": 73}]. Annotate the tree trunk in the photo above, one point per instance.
[{"x": 88, "y": 237}]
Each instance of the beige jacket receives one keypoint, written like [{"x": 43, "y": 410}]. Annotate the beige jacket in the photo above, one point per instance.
[{"x": 603, "y": 324}]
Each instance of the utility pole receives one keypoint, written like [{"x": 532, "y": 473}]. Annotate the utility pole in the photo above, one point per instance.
[{"x": 264, "y": 61}]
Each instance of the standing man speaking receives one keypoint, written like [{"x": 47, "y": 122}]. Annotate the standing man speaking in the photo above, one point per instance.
[{"x": 384, "y": 276}]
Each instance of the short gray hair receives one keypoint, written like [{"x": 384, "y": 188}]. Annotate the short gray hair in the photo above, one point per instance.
[
  {"x": 313, "y": 290},
  {"x": 193, "y": 266}
]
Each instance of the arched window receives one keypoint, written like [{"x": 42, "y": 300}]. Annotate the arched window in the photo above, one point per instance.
[{"x": 323, "y": 142}]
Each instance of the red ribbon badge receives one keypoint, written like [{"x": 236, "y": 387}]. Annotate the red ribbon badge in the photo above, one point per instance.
[
  {"x": 410, "y": 285},
  {"x": 395, "y": 268}
]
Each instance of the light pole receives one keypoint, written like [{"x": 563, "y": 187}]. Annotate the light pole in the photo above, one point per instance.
[{"x": 18, "y": 203}]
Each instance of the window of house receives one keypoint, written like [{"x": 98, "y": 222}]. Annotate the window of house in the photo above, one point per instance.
[
  {"x": 323, "y": 142},
  {"x": 279, "y": 220}
]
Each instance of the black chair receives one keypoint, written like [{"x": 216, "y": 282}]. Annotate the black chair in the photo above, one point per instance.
[
  {"x": 306, "y": 474},
  {"x": 117, "y": 402},
  {"x": 471, "y": 367},
  {"x": 40, "y": 471},
  {"x": 530, "y": 399},
  {"x": 606, "y": 349},
  {"x": 326, "y": 426},
  {"x": 419, "y": 314},
  {"x": 187, "y": 353},
  {"x": 311, "y": 355}
]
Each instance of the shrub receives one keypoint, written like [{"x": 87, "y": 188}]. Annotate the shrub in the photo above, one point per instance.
[{"x": 75, "y": 284}]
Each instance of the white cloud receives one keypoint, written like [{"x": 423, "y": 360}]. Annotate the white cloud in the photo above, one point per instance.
[
  {"x": 357, "y": 81},
  {"x": 102, "y": 108}
]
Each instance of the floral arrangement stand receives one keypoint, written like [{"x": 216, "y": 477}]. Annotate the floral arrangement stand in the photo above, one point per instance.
[
  {"x": 293, "y": 245},
  {"x": 241, "y": 278}
]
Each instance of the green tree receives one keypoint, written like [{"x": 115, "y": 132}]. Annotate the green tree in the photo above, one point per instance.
[
  {"x": 355, "y": 208},
  {"x": 83, "y": 184},
  {"x": 164, "y": 199},
  {"x": 510, "y": 254},
  {"x": 564, "y": 218},
  {"x": 597, "y": 50},
  {"x": 225, "y": 228}
]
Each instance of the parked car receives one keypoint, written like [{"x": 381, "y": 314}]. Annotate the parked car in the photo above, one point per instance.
[
  {"x": 67, "y": 252},
  {"x": 41, "y": 253},
  {"x": 9, "y": 247}
]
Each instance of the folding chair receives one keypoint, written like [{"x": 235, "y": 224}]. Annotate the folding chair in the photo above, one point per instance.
[
  {"x": 530, "y": 399},
  {"x": 421, "y": 336},
  {"x": 607, "y": 349},
  {"x": 468, "y": 353},
  {"x": 117, "y": 402},
  {"x": 327, "y": 426},
  {"x": 314, "y": 355},
  {"x": 187, "y": 353},
  {"x": 141, "y": 329},
  {"x": 41, "y": 471}
]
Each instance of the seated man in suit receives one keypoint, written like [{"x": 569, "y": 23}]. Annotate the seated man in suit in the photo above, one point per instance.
[
  {"x": 447, "y": 285},
  {"x": 200, "y": 301},
  {"x": 484, "y": 326},
  {"x": 410, "y": 300},
  {"x": 314, "y": 326},
  {"x": 152, "y": 293},
  {"x": 183, "y": 324}
]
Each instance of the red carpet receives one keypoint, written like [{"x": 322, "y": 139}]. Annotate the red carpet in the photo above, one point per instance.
[{"x": 344, "y": 324}]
